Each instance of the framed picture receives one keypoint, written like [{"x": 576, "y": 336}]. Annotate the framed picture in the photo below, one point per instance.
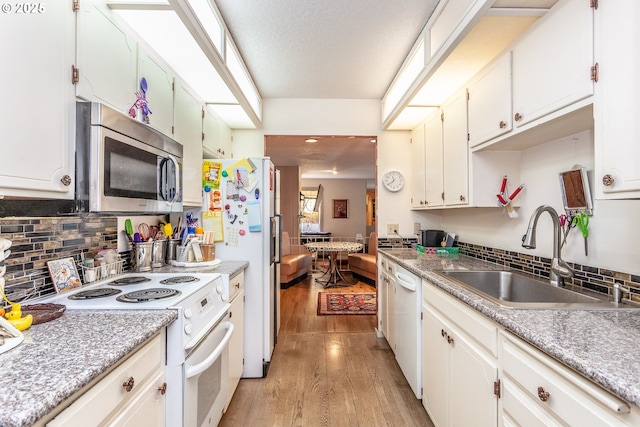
[
  {"x": 64, "y": 274},
  {"x": 340, "y": 208}
]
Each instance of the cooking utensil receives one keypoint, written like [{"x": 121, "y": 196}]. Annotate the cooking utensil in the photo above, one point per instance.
[
  {"x": 168, "y": 230},
  {"x": 582, "y": 222},
  {"x": 128, "y": 228},
  {"x": 137, "y": 238},
  {"x": 145, "y": 231}
]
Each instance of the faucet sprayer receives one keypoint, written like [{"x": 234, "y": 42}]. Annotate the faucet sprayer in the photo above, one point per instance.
[{"x": 559, "y": 268}]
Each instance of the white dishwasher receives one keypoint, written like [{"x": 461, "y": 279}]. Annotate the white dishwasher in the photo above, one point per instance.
[{"x": 408, "y": 327}]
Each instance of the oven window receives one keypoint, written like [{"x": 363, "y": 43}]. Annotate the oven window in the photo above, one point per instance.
[
  {"x": 129, "y": 171},
  {"x": 209, "y": 388}
]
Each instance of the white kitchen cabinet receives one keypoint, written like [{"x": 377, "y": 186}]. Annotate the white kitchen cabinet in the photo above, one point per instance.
[
  {"x": 37, "y": 112},
  {"x": 540, "y": 391},
  {"x": 455, "y": 151},
  {"x": 236, "y": 344},
  {"x": 386, "y": 312},
  {"x": 216, "y": 137},
  {"x": 381, "y": 294},
  {"x": 489, "y": 104},
  {"x": 426, "y": 163},
  {"x": 459, "y": 362},
  {"x": 159, "y": 93},
  {"x": 111, "y": 402},
  {"x": 188, "y": 132},
  {"x": 552, "y": 62},
  {"x": 616, "y": 128},
  {"x": 106, "y": 58}
]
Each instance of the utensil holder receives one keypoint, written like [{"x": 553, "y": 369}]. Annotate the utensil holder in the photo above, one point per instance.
[
  {"x": 158, "y": 253},
  {"x": 142, "y": 255},
  {"x": 172, "y": 249}
]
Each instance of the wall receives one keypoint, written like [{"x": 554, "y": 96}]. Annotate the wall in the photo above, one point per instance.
[
  {"x": 355, "y": 191},
  {"x": 289, "y": 198}
]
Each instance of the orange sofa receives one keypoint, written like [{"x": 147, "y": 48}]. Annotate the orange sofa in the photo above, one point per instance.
[
  {"x": 296, "y": 262},
  {"x": 364, "y": 264}
]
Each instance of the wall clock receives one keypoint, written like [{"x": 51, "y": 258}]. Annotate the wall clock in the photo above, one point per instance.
[{"x": 393, "y": 180}]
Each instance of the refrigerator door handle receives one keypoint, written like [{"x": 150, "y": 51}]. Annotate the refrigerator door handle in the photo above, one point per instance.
[{"x": 278, "y": 259}]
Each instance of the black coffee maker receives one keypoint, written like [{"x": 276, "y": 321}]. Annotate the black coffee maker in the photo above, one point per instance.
[{"x": 431, "y": 238}]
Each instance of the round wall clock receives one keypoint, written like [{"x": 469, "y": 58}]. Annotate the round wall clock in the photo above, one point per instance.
[{"x": 393, "y": 180}]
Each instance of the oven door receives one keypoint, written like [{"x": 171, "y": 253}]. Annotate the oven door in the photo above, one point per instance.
[{"x": 206, "y": 377}]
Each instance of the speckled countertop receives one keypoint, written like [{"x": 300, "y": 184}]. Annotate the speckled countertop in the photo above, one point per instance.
[
  {"x": 602, "y": 345},
  {"x": 57, "y": 358}
]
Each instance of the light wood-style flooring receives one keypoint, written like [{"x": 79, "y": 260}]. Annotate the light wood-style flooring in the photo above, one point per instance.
[{"x": 326, "y": 371}]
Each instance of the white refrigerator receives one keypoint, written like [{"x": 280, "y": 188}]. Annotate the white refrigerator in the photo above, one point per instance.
[{"x": 249, "y": 203}]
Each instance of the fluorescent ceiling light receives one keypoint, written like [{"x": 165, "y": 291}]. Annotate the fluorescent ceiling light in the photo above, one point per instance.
[
  {"x": 405, "y": 79},
  {"x": 311, "y": 140},
  {"x": 168, "y": 37},
  {"x": 233, "y": 115},
  {"x": 410, "y": 117},
  {"x": 209, "y": 22}
]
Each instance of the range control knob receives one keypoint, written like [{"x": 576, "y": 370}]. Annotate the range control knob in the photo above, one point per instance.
[
  {"x": 187, "y": 313},
  {"x": 219, "y": 289},
  {"x": 188, "y": 329}
]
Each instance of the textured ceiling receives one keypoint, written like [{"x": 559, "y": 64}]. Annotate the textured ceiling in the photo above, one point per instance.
[
  {"x": 333, "y": 49},
  {"x": 347, "y": 49}
]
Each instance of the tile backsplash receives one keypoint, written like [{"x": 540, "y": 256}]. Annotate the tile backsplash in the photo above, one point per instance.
[
  {"x": 594, "y": 278},
  {"x": 38, "y": 240}
]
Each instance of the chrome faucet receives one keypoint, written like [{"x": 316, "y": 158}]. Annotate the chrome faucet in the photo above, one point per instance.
[{"x": 559, "y": 268}]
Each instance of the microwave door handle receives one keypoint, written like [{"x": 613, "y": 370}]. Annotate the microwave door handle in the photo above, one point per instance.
[
  {"x": 194, "y": 370},
  {"x": 178, "y": 183}
]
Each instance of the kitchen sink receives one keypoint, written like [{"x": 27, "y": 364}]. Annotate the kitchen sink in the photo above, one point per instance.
[{"x": 515, "y": 290}]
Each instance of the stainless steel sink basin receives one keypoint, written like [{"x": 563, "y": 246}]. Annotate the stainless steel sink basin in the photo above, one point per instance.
[{"x": 510, "y": 289}]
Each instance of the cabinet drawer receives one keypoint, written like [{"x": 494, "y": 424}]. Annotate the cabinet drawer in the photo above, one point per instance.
[
  {"x": 572, "y": 398},
  {"x": 236, "y": 284},
  {"x": 480, "y": 329},
  {"x": 109, "y": 393}
]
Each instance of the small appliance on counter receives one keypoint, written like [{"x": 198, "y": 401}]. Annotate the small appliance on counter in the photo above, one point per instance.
[{"x": 432, "y": 238}]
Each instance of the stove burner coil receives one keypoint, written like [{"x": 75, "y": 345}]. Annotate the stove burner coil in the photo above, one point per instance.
[
  {"x": 94, "y": 293},
  {"x": 150, "y": 294},
  {"x": 131, "y": 280},
  {"x": 179, "y": 279}
]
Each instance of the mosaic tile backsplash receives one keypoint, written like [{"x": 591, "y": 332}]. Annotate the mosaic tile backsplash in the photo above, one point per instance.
[{"x": 38, "y": 240}]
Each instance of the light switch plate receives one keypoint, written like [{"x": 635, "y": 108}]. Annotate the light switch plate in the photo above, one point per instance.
[{"x": 392, "y": 228}]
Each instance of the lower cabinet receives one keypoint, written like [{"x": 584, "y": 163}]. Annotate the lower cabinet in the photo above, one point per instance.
[
  {"x": 131, "y": 395},
  {"x": 236, "y": 344},
  {"x": 476, "y": 373},
  {"x": 458, "y": 375}
]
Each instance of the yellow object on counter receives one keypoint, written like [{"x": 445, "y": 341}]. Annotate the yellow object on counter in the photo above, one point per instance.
[{"x": 22, "y": 323}]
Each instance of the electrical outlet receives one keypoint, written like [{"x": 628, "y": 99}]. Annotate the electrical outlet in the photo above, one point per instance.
[
  {"x": 392, "y": 228},
  {"x": 416, "y": 227}
]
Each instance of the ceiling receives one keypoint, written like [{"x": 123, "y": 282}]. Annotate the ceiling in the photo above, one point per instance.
[{"x": 332, "y": 49}]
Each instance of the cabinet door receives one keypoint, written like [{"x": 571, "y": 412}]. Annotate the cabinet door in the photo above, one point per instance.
[
  {"x": 106, "y": 58},
  {"x": 455, "y": 151},
  {"x": 226, "y": 141},
  {"x": 382, "y": 289},
  {"x": 188, "y": 132},
  {"x": 551, "y": 62},
  {"x": 418, "y": 168},
  {"x": 236, "y": 347},
  {"x": 433, "y": 161},
  {"x": 211, "y": 135},
  {"x": 489, "y": 102},
  {"x": 617, "y": 130},
  {"x": 37, "y": 112},
  {"x": 391, "y": 313},
  {"x": 147, "y": 409},
  {"x": 472, "y": 376},
  {"x": 159, "y": 93},
  {"x": 435, "y": 367}
]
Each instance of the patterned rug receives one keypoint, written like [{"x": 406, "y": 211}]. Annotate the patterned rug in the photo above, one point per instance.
[{"x": 347, "y": 303}]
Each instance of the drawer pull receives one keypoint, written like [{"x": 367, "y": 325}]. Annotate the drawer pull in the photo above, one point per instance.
[
  {"x": 443, "y": 333},
  {"x": 542, "y": 394},
  {"x": 128, "y": 385},
  {"x": 449, "y": 339},
  {"x": 163, "y": 388}
]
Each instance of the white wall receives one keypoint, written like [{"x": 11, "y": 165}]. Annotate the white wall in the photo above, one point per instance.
[{"x": 355, "y": 191}]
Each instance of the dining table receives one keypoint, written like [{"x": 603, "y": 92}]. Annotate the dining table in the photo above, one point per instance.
[{"x": 332, "y": 276}]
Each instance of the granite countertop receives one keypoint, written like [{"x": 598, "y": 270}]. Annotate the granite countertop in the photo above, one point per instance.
[
  {"x": 602, "y": 345},
  {"x": 57, "y": 358}
]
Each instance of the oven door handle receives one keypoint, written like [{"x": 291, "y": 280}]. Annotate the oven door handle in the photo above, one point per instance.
[{"x": 194, "y": 370}]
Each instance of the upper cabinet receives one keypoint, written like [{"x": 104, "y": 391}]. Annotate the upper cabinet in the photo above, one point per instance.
[
  {"x": 156, "y": 84},
  {"x": 617, "y": 131},
  {"x": 455, "y": 151},
  {"x": 188, "y": 132},
  {"x": 552, "y": 62},
  {"x": 216, "y": 137},
  {"x": 37, "y": 111},
  {"x": 107, "y": 58},
  {"x": 426, "y": 164}
]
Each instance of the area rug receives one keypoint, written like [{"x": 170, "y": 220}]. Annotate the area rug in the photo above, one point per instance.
[{"x": 347, "y": 303}]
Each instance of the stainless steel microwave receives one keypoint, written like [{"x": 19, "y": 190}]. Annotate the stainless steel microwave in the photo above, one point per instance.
[{"x": 124, "y": 166}]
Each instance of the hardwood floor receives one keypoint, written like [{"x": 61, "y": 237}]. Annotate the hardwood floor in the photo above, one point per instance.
[{"x": 326, "y": 371}]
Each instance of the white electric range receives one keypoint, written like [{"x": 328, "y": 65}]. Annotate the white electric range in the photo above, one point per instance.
[{"x": 197, "y": 341}]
